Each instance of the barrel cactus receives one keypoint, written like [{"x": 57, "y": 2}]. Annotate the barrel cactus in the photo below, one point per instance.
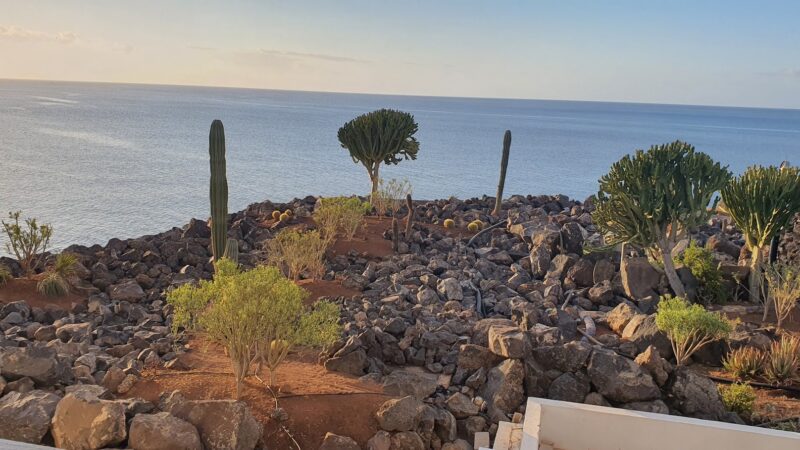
[
  {"x": 449, "y": 223},
  {"x": 218, "y": 190},
  {"x": 276, "y": 214},
  {"x": 284, "y": 217}
]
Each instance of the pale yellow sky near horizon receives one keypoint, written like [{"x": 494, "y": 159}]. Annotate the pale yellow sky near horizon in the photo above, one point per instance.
[{"x": 507, "y": 49}]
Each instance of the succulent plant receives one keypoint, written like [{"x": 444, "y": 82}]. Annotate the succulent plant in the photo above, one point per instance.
[
  {"x": 276, "y": 215},
  {"x": 218, "y": 190},
  {"x": 449, "y": 223},
  {"x": 53, "y": 285},
  {"x": 498, "y": 202},
  {"x": 473, "y": 226},
  {"x": 289, "y": 212},
  {"x": 232, "y": 250},
  {"x": 284, "y": 217}
]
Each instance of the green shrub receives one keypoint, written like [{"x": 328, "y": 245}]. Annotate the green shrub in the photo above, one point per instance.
[
  {"x": 188, "y": 301},
  {"x": 26, "y": 241},
  {"x": 739, "y": 398},
  {"x": 761, "y": 202},
  {"x": 250, "y": 312},
  {"x": 5, "y": 275},
  {"x": 689, "y": 326},
  {"x": 53, "y": 285},
  {"x": 745, "y": 362},
  {"x": 700, "y": 261},
  {"x": 339, "y": 215},
  {"x": 298, "y": 253},
  {"x": 783, "y": 360},
  {"x": 654, "y": 198},
  {"x": 783, "y": 289},
  {"x": 65, "y": 265}
]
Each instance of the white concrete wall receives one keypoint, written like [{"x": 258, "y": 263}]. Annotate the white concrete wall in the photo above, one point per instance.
[{"x": 572, "y": 426}]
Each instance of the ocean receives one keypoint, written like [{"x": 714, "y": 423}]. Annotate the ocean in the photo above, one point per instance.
[{"x": 113, "y": 160}]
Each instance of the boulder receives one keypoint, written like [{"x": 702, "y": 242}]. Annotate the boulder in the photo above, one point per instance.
[
  {"x": 569, "y": 357},
  {"x": 450, "y": 289},
  {"x": 41, "y": 364},
  {"x": 643, "y": 332},
  {"x": 408, "y": 382},
  {"x": 508, "y": 341},
  {"x": 401, "y": 414},
  {"x": 163, "y": 431},
  {"x": 471, "y": 356},
  {"x": 222, "y": 424},
  {"x": 336, "y": 442},
  {"x": 582, "y": 273},
  {"x": 126, "y": 291},
  {"x": 620, "y": 316},
  {"x": 604, "y": 270},
  {"x": 353, "y": 363},
  {"x": 407, "y": 440},
  {"x": 26, "y": 417},
  {"x": 461, "y": 406},
  {"x": 639, "y": 278},
  {"x": 569, "y": 388},
  {"x": 503, "y": 390},
  {"x": 695, "y": 395},
  {"x": 655, "y": 406},
  {"x": 658, "y": 367},
  {"x": 620, "y": 379},
  {"x": 83, "y": 421}
]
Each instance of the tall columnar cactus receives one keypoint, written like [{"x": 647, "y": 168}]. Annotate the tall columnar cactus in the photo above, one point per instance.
[
  {"x": 232, "y": 250},
  {"x": 503, "y": 166},
  {"x": 218, "y": 191}
]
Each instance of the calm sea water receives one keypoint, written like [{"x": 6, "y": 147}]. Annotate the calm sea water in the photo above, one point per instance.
[{"x": 106, "y": 160}]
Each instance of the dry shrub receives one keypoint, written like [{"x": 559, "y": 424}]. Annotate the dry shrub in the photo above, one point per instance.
[
  {"x": 783, "y": 290},
  {"x": 391, "y": 196},
  {"x": 298, "y": 253},
  {"x": 339, "y": 216}
]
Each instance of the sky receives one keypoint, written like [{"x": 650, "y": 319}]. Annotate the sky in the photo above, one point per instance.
[{"x": 731, "y": 53}]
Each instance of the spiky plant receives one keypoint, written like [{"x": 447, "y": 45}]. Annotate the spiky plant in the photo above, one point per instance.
[
  {"x": 65, "y": 265},
  {"x": 745, "y": 362},
  {"x": 783, "y": 289},
  {"x": 218, "y": 189},
  {"x": 380, "y": 137},
  {"x": 761, "y": 202},
  {"x": 449, "y": 223},
  {"x": 232, "y": 250},
  {"x": 5, "y": 275},
  {"x": 783, "y": 362},
  {"x": 653, "y": 198},
  {"x": 53, "y": 285},
  {"x": 501, "y": 184}
]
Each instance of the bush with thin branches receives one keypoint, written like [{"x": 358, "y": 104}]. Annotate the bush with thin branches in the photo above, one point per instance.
[
  {"x": 689, "y": 326},
  {"x": 391, "y": 196},
  {"x": 336, "y": 216},
  {"x": 298, "y": 253},
  {"x": 783, "y": 289},
  {"x": 26, "y": 241}
]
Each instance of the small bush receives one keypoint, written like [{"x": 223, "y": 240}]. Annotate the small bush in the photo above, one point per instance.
[
  {"x": 340, "y": 215},
  {"x": 53, "y": 285},
  {"x": 700, "y": 261},
  {"x": 739, "y": 398},
  {"x": 188, "y": 301},
  {"x": 26, "y": 241},
  {"x": 783, "y": 290},
  {"x": 449, "y": 223},
  {"x": 298, "y": 253},
  {"x": 745, "y": 363},
  {"x": 783, "y": 361},
  {"x": 689, "y": 327},
  {"x": 391, "y": 196},
  {"x": 65, "y": 264},
  {"x": 5, "y": 275}
]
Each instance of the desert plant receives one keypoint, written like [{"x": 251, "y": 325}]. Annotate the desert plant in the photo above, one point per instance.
[
  {"x": 276, "y": 215},
  {"x": 473, "y": 226},
  {"x": 248, "y": 309},
  {"x": 26, "y": 241},
  {"x": 284, "y": 217},
  {"x": 700, "y": 261},
  {"x": 739, "y": 398},
  {"x": 745, "y": 362},
  {"x": 498, "y": 202},
  {"x": 218, "y": 189},
  {"x": 653, "y": 198},
  {"x": 232, "y": 250},
  {"x": 761, "y": 202},
  {"x": 391, "y": 195},
  {"x": 298, "y": 253},
  {"x": 53, "y": 285},
  {"x": 383, "y": 136},
  {"x": 188, "y": 301},
  {"x": 783, "y": 361},
  {"x": 689, "y": 326},
  {"x": 65, "y": 265},
  {"x": 5, "y": 275},
  {"x": 339, "y": 215},
  {"x": 449, "y": 223},
  {"x": 783, "y": 289}
]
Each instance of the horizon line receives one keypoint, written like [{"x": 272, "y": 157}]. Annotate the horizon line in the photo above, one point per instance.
[{"x": 178, "y": 85}]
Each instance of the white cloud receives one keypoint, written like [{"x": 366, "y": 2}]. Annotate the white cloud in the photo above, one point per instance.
[{"x": 12, "y": 32}]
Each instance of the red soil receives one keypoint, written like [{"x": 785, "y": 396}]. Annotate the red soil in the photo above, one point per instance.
[
  {"x": 368, "y": 241},
  {"x": 325, "y": 288},
  {"x": 24, "y": 289},
  {"x": 317, "y": 401}
]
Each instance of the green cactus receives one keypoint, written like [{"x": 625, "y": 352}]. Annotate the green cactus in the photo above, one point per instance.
[
  {"x": 218, "y": 191},
  {"x": 232, "y": 250},
  {"x": 498, "y": 202}
]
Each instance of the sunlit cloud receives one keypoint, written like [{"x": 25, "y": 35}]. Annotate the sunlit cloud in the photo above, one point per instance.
[
  {"x": 12, "y": 32},
  {"x": 270, "y": 54}
]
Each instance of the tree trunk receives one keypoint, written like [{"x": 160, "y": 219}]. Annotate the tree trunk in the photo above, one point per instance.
[
  {"x": 672, "y": 275},
  {"x": 755, "y": 279},
  {"x": 375, "y": 177}
]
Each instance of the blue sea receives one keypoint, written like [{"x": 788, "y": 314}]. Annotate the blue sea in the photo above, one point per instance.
[{"x": 113, "y": 160}]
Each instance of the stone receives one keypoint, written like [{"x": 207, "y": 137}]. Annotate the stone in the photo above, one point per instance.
[
  {"x": 458, "y": 444},
  {"x": 126, "y": 291},
  {"x": 113, "y": 378},
  {"x": 572, "y": 237},
  {"x": 41, "y": 364},
  {"x": 405, "y": 382},
  {"x": 593, "y": 398},
  {"x": 163, "y": 431},
  {"x": 336, "y": 442},
  {"x": 695, "y": 395},
  {"x": 655, "y": 406},
  {"x": 569, "y": 357},
  {"x": 620, "y": 316},
  {"x": 427, "y": 296},
  {"x": 382, "y": 440},
  {"x": 407, "y": 440},
  {"x": 569, "y": 388},
  {"x": 461, "y": 406},
  {"x": 222, "y": 424},
  {"x": 643, "y": 332},
  {"x": 540, "y": 257},
  {"x": 75, "y": 332},
  {"x": 471, "y": 356},
  {"x": 25, "y": 417},
  {"x": 503, "y": 390},
  {"x": 581, "y": 273},
  {"x": 639, "y": 278},
  {"x": 353, "y": 363},
  {"x": 654, "y": 364},
  {"x": 604, "y": 270},
  {"x": 83, "y": 421},
  {"x": 620, "y": 379},
  {"x": 602, "y": 293},
  {"x": 401, "y": 414},
  {"x": 508, "y": 341},
  {"x": 450, "y": 289}
]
